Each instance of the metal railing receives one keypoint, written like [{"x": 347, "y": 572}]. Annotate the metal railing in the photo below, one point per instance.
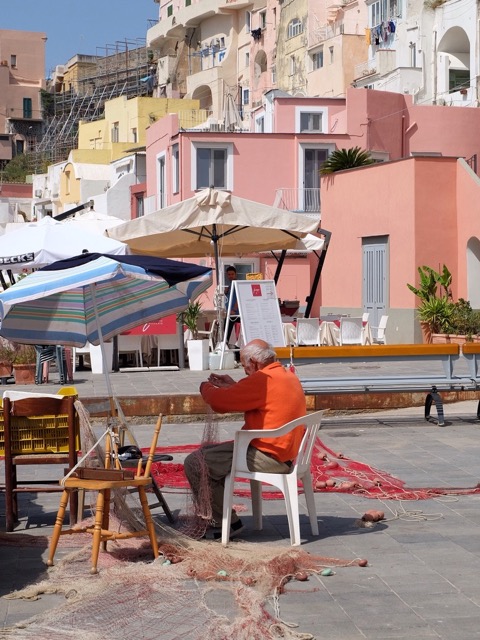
[{"x": 301, "y": 200}]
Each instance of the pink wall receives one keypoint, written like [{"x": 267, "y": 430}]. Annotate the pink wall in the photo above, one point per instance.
[{"x": 412, "y": 202}]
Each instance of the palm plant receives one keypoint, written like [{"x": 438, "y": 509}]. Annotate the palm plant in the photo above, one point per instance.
[
  {"x": 190, "y": 317},
  {"x": 342, "y": 159}
]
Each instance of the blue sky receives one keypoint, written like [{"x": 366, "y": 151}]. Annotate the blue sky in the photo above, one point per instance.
[{"x": 79, "y": 26}]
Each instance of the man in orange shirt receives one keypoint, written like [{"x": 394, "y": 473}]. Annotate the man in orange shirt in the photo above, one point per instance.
[{"x": 270, "y": 396}]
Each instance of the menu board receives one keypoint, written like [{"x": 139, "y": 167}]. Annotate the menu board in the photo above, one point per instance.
[{"x": 259, "y": 311}]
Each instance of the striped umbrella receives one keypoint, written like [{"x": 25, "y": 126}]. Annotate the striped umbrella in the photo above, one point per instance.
[{"x": 92, "y": 297}]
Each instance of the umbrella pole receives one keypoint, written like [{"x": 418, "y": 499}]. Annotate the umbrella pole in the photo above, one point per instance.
[
  {"x": 217, "y": 283},
  {"x": 102, "y": 349}
]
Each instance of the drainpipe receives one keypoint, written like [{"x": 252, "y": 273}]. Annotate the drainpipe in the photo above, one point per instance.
[
  {"x": 434, "y": 65},
  {"x": 402, "y": 153}
]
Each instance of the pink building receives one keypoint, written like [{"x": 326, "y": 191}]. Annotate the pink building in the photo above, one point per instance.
[
  {"x": 404, "y": 213},
  {"x": 22, "y": 72}
]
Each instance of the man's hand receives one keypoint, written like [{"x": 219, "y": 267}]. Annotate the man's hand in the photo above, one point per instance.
[{"x": 221, "y": 381}]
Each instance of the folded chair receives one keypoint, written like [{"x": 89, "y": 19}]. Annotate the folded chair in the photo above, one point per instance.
[
  {"x": 38, "y": 430},
  {"x": 104, "y": 481},
  {"x": 286, "y": 482}
]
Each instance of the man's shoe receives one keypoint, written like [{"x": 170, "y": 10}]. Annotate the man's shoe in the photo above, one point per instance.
[{"x": 235, "y": 530}]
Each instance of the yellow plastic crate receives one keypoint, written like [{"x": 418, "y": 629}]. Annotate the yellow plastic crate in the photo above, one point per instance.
[{"x": 40, "y": 434}]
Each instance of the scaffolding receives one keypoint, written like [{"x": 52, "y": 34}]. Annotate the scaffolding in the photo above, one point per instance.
[{"x": 119, "y": 69}]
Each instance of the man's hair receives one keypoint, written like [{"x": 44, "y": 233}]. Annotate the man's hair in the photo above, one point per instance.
[
  {"x": 262, "y": 353},
  {"x": 230, "y": 268}
]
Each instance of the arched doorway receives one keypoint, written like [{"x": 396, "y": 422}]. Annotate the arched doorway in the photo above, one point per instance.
[{"x": 473, "y": 272}]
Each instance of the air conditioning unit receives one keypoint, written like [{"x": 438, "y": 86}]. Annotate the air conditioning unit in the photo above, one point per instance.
[{"x": 38, "y": 193}]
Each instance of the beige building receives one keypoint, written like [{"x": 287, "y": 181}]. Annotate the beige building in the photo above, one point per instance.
[{"x": 22, "y": 71}]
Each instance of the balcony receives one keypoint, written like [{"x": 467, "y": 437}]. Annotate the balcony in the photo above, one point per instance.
[
  {"x": 298, "y": 200},
  {"x": 203, "y": 120},
  {"x": 366, "y": 68}
]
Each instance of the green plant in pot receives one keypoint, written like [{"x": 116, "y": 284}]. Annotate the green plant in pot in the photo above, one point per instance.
[
  {"x": 463, "y": 321},
  {"x": 436, "y": 313},
  {"x": 24, "y": 364},
  {"x": 198, "y": 350},
  {"x": 8, "y": 352},
  {"x": 190, "y": 318}
]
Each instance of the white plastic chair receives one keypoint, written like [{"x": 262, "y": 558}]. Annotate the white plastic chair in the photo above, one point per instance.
[
  {"x": 131, "y": 344},
  {"x": 308, "y": 330},
  {"x": 351, "y": 331},
  {"x": 286, "y": 482},
  {"x": 380, "y": 337}
]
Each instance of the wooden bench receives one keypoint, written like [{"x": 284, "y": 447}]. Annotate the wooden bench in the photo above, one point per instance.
[{"x": 440, "y": 376}]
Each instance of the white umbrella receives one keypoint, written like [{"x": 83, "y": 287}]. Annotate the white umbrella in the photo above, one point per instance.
[
  {"x": 94, "y": 221},
  {"x": 38, "y": 244}
]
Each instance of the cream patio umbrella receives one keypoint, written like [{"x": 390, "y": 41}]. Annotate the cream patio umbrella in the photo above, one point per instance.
[{"x": 215, "y": 223}]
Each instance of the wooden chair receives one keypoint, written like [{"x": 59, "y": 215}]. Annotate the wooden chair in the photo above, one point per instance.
[
  {"x": 103, "y": 481},
  {"x": 38, "y": 430},
  {"x": 286, "y": 482}
]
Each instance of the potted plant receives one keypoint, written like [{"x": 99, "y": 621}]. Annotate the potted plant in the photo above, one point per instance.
[
  {"x": 197, "y": 350},
  {"x": 434, "y": 309},
  {"x": 24, "y": 365},
  {"x": 8, "y": 351},
  {"x": 443, "y": 319}
]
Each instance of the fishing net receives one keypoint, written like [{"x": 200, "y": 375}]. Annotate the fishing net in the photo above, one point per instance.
[
  {"x": 331, "y": 471},
  {"x": 193, "y": 590}
]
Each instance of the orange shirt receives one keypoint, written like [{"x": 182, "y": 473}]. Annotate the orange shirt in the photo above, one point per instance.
[{"x": 269, "y": 398}]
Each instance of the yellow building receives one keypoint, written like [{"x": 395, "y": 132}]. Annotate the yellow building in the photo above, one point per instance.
[{"x": 125, "y": 124}]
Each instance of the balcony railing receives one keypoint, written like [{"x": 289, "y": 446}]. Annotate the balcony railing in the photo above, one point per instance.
[
  {"x": 203, "y": 120},
  {"x": 366, "y": 68},
  {"x": 300, "y": 200}
]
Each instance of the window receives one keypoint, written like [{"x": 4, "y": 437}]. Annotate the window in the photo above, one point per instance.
[
  {"x": 263, "y": 19},
  {"x": 27, "y": 107},
  {"x": 311, "y": 119},
  {"x": 295, "y": 28},
  {"x": 162, "y": 196},
  {"x": 274, "y": 74},
  {"x": 260, "y": 124},
  {"x": 134, "y": 135},
  {"x": 247, "y": 60},
  {"x": 330, "y": 49},
  {"x": 13, "y": 61},
  {"x": 175, "y": 168},
  {"x": 293, "y": 65},
  {"x": 458, "y": 79},
  {"x": 248, "y": 21},
  {"x": 317, "y": 59},
  {"x": 222, "y": 42},
  {"x": 139, "y": 206},
  {"x": 170, "y": 10},
  {"x": 245, "y": 96},
  {"x": 311, "y": 122},
  {"x": 413, "y": 54},
  {"x": 115, "y": 132},
  {"x": 212, "y": 165},
  {"x": 188, "y": 3},
  {"x": 385, "y": 11},
  {"x": 211, "y": 168}
]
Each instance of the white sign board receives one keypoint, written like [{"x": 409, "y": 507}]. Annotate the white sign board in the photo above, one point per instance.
[{"x": 259, "y": 311}]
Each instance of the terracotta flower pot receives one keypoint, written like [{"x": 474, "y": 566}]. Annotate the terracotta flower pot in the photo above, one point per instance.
[{"x": 24, "y": 373}]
